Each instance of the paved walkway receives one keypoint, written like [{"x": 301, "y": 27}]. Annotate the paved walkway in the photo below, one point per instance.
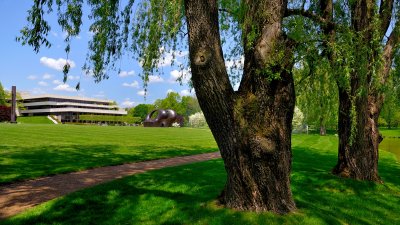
[{"x": 19, "y": 196}]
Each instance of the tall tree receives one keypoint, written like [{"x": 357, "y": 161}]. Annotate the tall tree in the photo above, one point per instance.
[
  {"x": 360, "y": 44},
  {"x": 252, "y": 126}
]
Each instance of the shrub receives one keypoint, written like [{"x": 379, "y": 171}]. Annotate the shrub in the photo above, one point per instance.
[
  {"x": 176, "y": 124},
  {"x": 5, "y": 113}
]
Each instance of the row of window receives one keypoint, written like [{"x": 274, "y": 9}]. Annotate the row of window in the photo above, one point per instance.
[{"x": 63, "y": 100}]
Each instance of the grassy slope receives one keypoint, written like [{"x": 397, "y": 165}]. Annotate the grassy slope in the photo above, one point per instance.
[
  {"x": 184, "y": 195},
  {"x": 28, "y": 150},
  {"x": 34, "y": 120}
]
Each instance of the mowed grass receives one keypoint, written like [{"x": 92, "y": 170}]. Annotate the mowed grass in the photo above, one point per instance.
[
  {"x": 30, "y": 150},
  {"x": 185, "y": 195}
]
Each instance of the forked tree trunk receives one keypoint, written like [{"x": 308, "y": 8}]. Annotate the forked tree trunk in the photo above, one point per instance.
[
  {"x": 358, "y": 149},
  {"x": 365, "y": 152},
  {"x": 359, "y": 136},
  {"x": 252, "y": 126}
]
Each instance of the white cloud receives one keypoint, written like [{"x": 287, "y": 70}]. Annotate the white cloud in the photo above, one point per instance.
[
  {"x": 64, "y": 87},
  {"x": 38, "y": 91},
  {"x": 47, "y": 76},
  {"x": 185, "y": 75},
  {"x": 100, "y": 94},
  {"x": 134, "y": 84},
  {"x": 126, "y": 73},
  {"x": 142, "y": 93},
  {"x": 128, "y": 103},
  {"x": 55, "y": 34},
  {"x": 42, "y": 83},
  {"x": 155, "y": 79},
  {"x": 185, "y": 93},
  {"x": 70, "y": 77},
  {"x": 167, "y": 57},
  {"x": 57, "y": 64},
  {"x": 32, "y": 77},
  {"x": 170, "y": 90},
  {"x": 58, "y": 82}
]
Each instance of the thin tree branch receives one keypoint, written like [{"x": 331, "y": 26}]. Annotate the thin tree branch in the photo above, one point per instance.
[{"x": 314, "y": 17}]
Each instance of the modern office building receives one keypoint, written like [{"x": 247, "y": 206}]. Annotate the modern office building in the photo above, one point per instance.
[{"x": 67, "y": 108}]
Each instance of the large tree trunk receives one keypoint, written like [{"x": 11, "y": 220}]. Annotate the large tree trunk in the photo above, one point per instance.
[
  {"x": 252, "y": 127},
  {"x": 358, "y": 138},
  {"x": 360, "y": 104}
]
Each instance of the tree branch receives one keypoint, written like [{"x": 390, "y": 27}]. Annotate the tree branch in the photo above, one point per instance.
[
  {"x": 392, "y": 43},
  {"x": 385, "y": 15}
]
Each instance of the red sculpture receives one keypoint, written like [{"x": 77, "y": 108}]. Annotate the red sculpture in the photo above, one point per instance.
[{"x": 165, "y": 118}]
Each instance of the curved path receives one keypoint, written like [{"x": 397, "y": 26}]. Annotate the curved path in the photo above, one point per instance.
[{"x": 19, "y": 196}]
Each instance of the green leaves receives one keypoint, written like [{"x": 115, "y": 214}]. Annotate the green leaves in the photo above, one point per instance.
[{"x": 35, "y": 33}]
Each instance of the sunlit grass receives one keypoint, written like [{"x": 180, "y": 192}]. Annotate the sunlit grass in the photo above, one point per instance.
[
  {"x": 31, "y": 150},
  {"x": 185, "y": 195},
  {"x": 34, "y": 120}
]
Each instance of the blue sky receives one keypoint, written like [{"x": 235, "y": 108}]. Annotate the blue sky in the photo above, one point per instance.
[{"x": 42, "y": 73}]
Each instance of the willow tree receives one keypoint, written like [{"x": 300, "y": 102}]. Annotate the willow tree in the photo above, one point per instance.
[
  {"x": 252, "y": 126},
  {"x": 361, "y": 38}
]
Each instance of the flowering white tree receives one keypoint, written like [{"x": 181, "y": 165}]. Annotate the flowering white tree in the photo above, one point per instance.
[
  {"x": 197, "y": 120},
  {"x": 298, "y": 119}
]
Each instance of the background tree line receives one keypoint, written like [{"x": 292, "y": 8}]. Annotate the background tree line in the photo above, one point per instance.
[{"x": 183, "y": 105}]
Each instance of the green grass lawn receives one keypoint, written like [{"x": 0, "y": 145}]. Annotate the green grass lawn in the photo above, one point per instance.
[
  {"x": 34, "y": 120},
  {"x": 32, "y": 150},
  {"x": 185, "y": 195}
]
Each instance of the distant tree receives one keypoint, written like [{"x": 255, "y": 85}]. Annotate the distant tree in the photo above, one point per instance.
[
  {"x": 142, "y": 110},
  {"x": 190, "y": 105},
  {"x": 391, "y": 107},
  {"x": 172, "y": 101},
  {"x": 3, "y": 96},
  {"x": 316, "y": 97}
]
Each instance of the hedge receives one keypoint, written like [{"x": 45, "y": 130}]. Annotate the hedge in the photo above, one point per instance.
[{"x": 104, "y": 118}]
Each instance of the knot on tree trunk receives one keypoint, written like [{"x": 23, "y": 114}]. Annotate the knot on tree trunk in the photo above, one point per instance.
[
  {"x": 202, "y": 57},
  {"x": 262, "y": 145}
]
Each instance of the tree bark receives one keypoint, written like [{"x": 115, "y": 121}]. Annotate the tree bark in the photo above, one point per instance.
[{"x": 252, "y": 126}]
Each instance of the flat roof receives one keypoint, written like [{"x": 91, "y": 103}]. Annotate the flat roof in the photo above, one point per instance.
[{"x": 28, "y": 97}]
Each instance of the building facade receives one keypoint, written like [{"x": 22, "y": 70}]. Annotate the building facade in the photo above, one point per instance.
[{"x": 68, "y": 108}]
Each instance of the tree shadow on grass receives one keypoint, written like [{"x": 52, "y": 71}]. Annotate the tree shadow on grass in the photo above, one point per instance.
[
  {"x": 33, "y": 162},
  {"x": 185, "y": 194}
]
